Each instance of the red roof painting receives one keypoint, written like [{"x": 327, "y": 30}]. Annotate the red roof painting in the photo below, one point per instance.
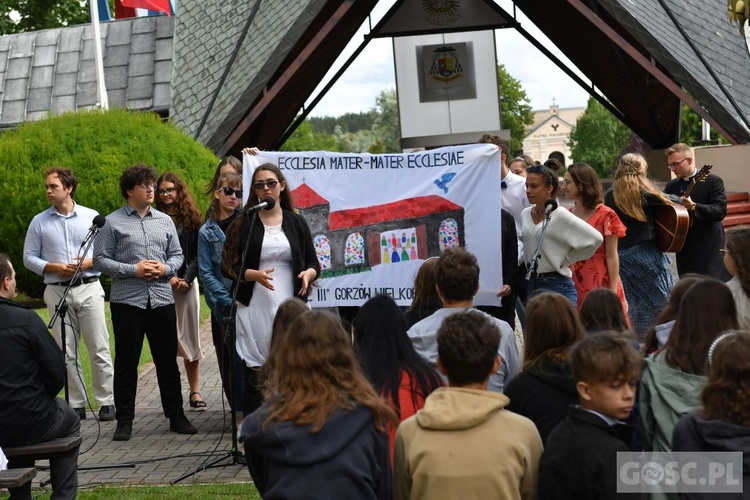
[
  {"x": 305, "y": 197},
  {"x": 402, "y": 209}
]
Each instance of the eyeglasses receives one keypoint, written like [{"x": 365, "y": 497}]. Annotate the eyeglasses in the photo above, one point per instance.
[
  {"x": 147, "y": 186},
  {"x": 723, "y": 251},
  {"x": 258, "y": 186},
  {"x": 231, "y": 191},
  {"x": 162, "y": 192},
  {"x": 676, "y": 164}
]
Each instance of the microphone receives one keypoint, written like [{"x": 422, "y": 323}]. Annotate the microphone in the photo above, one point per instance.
[
  {"x": 550, "y": 206},
  {"x": 96, "y": 225},
  {"x": 267, "y": 204}
]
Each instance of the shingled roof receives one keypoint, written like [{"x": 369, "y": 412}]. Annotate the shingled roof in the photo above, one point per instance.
[
  {"x": 52, "y": 71},
  {"x": 206, "y": 40}
]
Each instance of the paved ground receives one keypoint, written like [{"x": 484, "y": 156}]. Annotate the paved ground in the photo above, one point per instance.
[{"x": 160, "y": 456}]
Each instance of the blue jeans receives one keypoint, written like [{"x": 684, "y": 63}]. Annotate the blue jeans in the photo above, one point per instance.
[{"x": 553, "y": 282}]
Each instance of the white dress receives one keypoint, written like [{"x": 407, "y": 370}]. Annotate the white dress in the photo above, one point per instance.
[{"x": 255, "y": 321}]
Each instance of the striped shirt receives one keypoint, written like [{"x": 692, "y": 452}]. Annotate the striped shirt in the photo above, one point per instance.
[
  {"x": 56, "y": 238},
  {"x": 127, "y": 239}
]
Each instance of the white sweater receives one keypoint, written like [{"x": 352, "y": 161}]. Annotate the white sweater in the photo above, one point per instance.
[{"x": 568, "y": 239}]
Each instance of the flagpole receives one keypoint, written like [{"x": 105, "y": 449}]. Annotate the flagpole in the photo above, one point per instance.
[{"x": 98, "y": 58}]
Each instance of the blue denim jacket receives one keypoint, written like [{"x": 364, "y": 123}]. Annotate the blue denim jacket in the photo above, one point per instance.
[{"x": 215, "y": 285}]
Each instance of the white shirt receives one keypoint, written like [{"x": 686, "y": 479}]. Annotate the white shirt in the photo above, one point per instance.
[
  {"x": 515, "y": 201},
  {"x": 568, "y": 239}
]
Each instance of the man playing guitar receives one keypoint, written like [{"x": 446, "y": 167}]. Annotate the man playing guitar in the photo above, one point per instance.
[{"x": 707, "y": 204}]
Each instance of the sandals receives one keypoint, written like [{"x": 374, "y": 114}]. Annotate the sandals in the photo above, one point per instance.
[{"x": 196, "y": 404}]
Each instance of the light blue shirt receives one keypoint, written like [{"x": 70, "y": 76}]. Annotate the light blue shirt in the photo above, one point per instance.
[
  {"x": 423, "y": 336},
  {"x": 126, "y": 239},
  {"x": 53, "y": 237}
]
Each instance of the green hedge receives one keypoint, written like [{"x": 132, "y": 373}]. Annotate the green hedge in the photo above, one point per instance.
[{"x": 97, "y": 146}]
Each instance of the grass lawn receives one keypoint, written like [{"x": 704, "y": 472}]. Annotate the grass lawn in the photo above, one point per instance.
[
  {"x": 182, "y": 492},
  {"x": 83, "y": 353}
]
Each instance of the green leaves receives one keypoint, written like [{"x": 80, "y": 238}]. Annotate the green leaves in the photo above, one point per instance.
[
  {"x": 598, "y": 138},
  {"x": 515, "y": 108}
]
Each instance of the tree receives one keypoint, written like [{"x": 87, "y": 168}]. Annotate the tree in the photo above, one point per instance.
[
  {"x": 387, "y": 127},
  {"x": 515, "y": 110},
  {"x": 305, "y": 138},
  {"x": 598, "y": 138},
  {"x": 19, "y": 16}
]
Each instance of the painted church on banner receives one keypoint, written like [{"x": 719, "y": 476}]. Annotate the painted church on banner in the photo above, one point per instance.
[{"x": 357, "y": 239}]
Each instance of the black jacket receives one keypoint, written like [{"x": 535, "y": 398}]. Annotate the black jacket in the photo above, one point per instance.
[
  {"x": 695, "y": 433},
  {"x": 347, "y": 458},
  {"x": 580, "y": 458},
  {"x": 189, "y": 244},
  {"x": 32, "y": 372},
  {"x": 543, "y": 393},
  {"x": 303, "y": 252},
  {"x": 700, "y": 254}
]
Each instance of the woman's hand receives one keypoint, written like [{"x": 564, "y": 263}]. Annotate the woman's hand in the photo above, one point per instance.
[
  {"x": 504, "y": 292},
  {"x": 306, "y": 276},
  {"x": 251, "y": 151},
  {"x": 262, "y": 276}
]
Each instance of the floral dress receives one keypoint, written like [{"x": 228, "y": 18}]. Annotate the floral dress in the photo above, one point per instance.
[{"x": 592, "y": 273}]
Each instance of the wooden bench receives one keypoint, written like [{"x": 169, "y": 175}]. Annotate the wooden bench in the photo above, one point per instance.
[
  {"x": 47, "y": 449},
  {"x": 13, "y": 478}
]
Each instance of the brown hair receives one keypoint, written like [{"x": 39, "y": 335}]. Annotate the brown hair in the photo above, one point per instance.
[
  {"x": 188, "y": 214},
  {"x": 66, "y": 177},
  {"x": 726, "y": 395},
  {"x": 738, "y": 246},
  {"x": 231, "y": 254},
  {"x": 235, "y": 163},
  {"x": 670, "y": 310},
  {"x": 549, "y": 177},
  {"x": 552, "y": 326},
  {"x": 467, "y": 347},
  {"x": 631, "y": 183},
  {"x": 5, "y": 266},
  {"x": 226, "y": 180},
  {"x": 694, "y": 330},
  {"x": 497, "y": 141},
  {"x": 605, "y": 357},
  {"x": 287, "y": 313},
  {"x": 314, "y": 373},
  {"x": 424, "y": 284},
  {"x": 457, "y": 274},
  {"x": 135, "y": 175},
  {"x": 601, "y": 310},
  {"x": 588, "y": 184}
]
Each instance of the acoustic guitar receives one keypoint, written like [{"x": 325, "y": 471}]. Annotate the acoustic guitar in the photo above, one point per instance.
[{"x": 672, "y": 222}]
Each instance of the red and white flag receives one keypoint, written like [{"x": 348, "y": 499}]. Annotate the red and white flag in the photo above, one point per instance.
[{"x": 155, "y": 5}]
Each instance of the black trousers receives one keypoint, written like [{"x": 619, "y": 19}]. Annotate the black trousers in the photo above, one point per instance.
[
  {"x": 224, "y": 350},
  {"x": 159, "y": 324},
  {"x": 63, "y": 469}
]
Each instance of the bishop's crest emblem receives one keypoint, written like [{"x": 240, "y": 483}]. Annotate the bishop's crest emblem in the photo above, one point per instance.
[{"x": 446, "y": 65}]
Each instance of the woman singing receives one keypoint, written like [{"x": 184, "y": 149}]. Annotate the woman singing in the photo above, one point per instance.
[
  {"x": 567, "y": 238},
  {"x": 280, "y": 262}
]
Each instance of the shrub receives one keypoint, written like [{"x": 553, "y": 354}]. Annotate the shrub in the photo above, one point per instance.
[{"x": 97, "y": 146}]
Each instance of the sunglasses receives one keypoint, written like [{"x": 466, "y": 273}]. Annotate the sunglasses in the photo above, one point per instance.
[
  {"x": 260, "y": 185},
  {"x": 231, "y": 191}
]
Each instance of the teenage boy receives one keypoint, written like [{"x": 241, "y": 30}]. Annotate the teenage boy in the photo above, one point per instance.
[
  {"x": 580, "y": 460},
  {"x": 51, "y": 250},
  {"x": 457, "y": 281},
  {"x": 140, "y": 250},
  {"x": 463, "y": 444}
]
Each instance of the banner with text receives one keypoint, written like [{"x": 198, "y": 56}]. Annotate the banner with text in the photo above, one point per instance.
[{"x": 375, "y": 218}]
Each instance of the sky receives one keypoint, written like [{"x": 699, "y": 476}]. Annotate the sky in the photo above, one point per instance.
[{"x": 373, "y": 71}]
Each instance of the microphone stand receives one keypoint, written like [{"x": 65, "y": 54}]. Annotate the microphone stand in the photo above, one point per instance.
[
  {"x": 229, "y": 332},
  {"x": 61, "y": 309},
  {"x": 538, "y": 251}
]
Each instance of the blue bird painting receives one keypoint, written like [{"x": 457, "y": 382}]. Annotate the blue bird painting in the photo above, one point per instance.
[{"x": 442, "y": 183}]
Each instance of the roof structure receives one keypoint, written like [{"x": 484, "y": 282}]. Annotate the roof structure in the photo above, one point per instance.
[
  {"x": 52, "y": 71},
  {"x": 306, "y": 197},
  {"x": 241, "y": 71},
  {"x": 402, "y": 209},
  {"x": 643, "y": 57}
]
